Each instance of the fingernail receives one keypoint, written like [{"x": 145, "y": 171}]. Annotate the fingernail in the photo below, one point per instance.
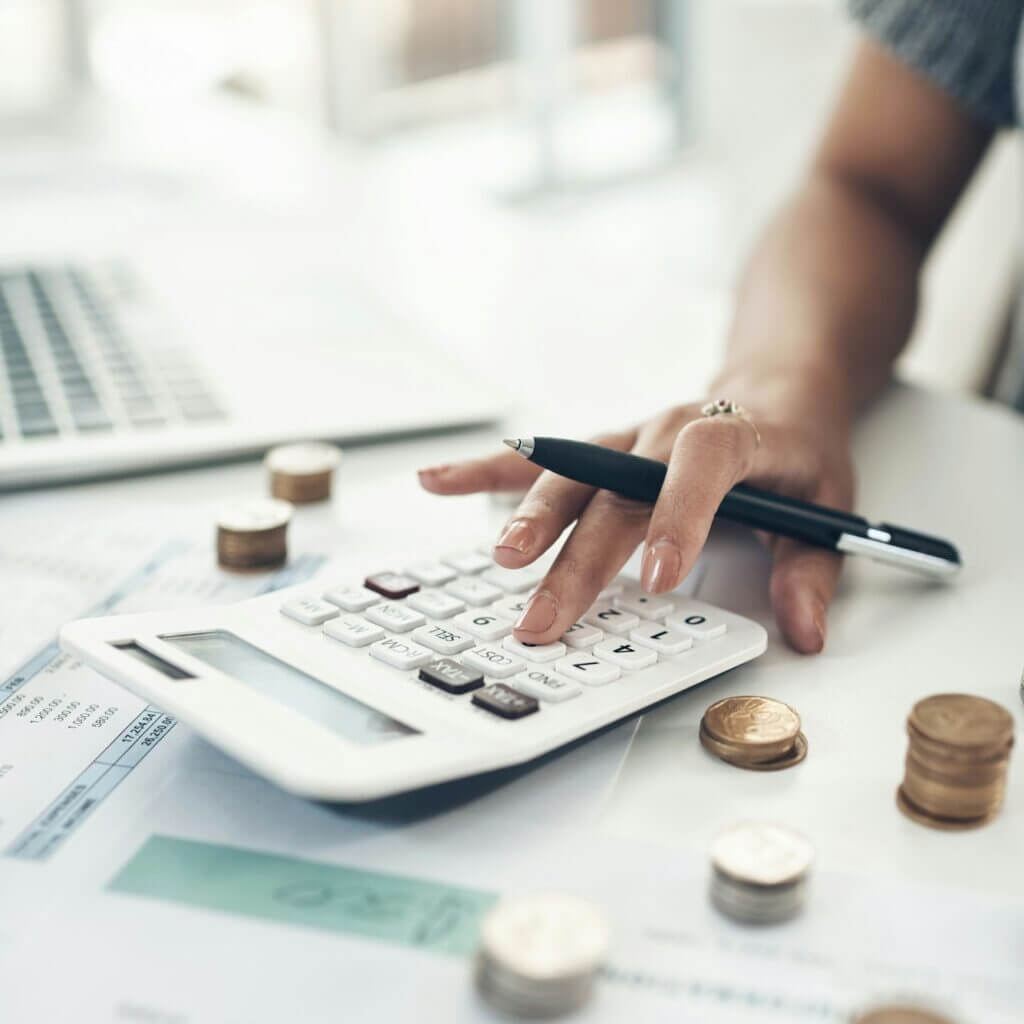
[
  {"x": 539, "y": 613},
  {"x": 819, "y": 624},
  {"x": 661, "y": 567},
  {"x": 432, "y": 470},
  {"x": 517, "y": 535}
]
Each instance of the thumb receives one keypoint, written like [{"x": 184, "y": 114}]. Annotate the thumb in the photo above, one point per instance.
[{"x": 803, "y": 581}]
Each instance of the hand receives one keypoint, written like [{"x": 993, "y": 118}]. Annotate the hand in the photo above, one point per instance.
[{"x": 706, "y": 456}]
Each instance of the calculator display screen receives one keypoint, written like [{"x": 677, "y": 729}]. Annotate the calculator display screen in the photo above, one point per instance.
[{"x": 288, "y": 685}]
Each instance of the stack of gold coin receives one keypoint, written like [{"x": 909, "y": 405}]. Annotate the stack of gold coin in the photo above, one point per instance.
[
  {"x": 759, "y": 872},
  {"x": 301, "y": 473},
  {"x": 754, "y": 732},
  {"x": 957, "y": 759},
  {"x": 901, "y": 1014},
  {"x": 253, "y": 534}
]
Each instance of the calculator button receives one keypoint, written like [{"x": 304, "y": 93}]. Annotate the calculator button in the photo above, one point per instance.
[
  {"x": 430, "y": 574},
  {"x": 352, "y": 599},
  {"x": 511, "y": 607},
  {"x": 493, "y": 661},
  {"x": 661, "y": 638},
  {"x": 353, "y": 631},
  {"x": 391, "y": 584},
  {"x": 512, "y": 581},
  {"x": 700, "y": 620},
  {"x": 484, "y": 625},
  {"x": 625, "y": 654},
  {"x": 310, "y": 611},
  {"x": 435, "y": 603},
  {"x": 395, "y": 616},
  {"x": 504, "y": 701},
  {"x": 401, "y": 653},
  {"x": 545, "y": 686},
  {"x": 584, "y": 668},
  {"x": 534, "y": 652},
  {"x": 468, "y": 562},
  {"x": 448, "y": 675},
  {"x": 647, "y": 606},
  {"x": 614, "y": 620},
  {"x": 472, "y": 590},
  {"x": 442, "y": 639},
  {"x": 581, "y": 635}
]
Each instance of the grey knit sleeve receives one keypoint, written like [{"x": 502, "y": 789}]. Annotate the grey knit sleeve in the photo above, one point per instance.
[{"x": 966, "y": 47}]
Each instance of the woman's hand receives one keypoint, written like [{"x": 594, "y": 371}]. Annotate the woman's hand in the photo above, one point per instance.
[{"x": 800, "y": 454}]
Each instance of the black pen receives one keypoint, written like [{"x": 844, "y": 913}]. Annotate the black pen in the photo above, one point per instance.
[{"x": 641, "y": 479}]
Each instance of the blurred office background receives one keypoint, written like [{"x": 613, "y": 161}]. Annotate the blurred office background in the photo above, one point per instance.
[{"x": 571, "y": 177}]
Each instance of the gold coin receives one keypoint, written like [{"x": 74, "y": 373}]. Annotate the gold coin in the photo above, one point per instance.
[
  {"x": 737, "y": 756},
  {"x": 922, "y": 817},
  {"x": 765, "y": 728},
  {"x": 901, "y": 1015},
  {"x": 961, "y": 720},
  {"x": 302, "y": 473}
]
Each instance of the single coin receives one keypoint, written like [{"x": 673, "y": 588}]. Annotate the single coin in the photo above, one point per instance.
[
  {"x": 922, "y": 817},
  {"x": 545, "y": 936},
  {"x": 962, "y": 720},
  {"x": 762, "y": 853},
  {"x": 737, "y": 756},
  {"x": 901, "y": 1015},
  {"x": 254, "y": 516},
  {"x": 766, "y": 728}
]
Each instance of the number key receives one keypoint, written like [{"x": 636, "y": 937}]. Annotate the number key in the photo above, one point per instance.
[
  {"x": 611, "y": 619},
  {"x": 621, "y": 652},
  {"x": 483, "y": 625}
]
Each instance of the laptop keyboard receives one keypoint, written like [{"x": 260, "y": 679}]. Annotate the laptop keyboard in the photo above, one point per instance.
[{"x": 70, "y": 365}]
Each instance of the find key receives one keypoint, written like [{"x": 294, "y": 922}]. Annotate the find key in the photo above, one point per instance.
[{"x": 502, "y": 700}]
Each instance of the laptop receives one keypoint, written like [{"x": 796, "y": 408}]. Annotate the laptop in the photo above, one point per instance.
[{"x": 96, "y": 380}]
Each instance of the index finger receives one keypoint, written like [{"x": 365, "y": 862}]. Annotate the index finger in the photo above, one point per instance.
[{"x": 709, "y": 456}]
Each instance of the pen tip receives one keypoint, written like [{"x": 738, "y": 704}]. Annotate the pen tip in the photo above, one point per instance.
[{"x": 513, "y": 442}]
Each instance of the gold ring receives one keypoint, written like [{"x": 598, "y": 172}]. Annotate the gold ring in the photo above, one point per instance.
[{"x": 726, "y": 407}]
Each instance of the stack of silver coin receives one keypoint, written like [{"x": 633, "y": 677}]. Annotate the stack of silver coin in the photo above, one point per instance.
[
  {"x": 759, "y": 872},
  {"x": 539, "y": 954}
]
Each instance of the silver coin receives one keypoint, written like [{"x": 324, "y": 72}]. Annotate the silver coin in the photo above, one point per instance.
[
  {"x": 762, "y": 853},
  {"x": 305, "y": 458},
  {"x": 757, "y": 904},
  {"x": 545, "y": 936},
  {"x": 255, "y": 515}
]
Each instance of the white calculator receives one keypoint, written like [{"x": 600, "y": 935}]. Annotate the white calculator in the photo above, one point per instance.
[{"x": 358, "y": 688}]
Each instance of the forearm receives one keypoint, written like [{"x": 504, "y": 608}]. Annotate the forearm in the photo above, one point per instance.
[{"x": 825, "y": 305}]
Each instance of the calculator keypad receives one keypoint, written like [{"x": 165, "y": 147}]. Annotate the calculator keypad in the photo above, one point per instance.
[{"x": 452, "y": 620}]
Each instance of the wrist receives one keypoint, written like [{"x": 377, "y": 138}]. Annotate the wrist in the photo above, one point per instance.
[{"x": 793, "y": 393}]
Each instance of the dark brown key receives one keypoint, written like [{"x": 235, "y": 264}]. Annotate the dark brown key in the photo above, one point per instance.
[
  {"x": 502, "y": 700},
  {"x": 449, "y": 675},
  {"x": 391, "y": 584}
]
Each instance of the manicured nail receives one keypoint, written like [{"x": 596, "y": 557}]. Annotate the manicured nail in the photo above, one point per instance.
[
  {"x": 819, "y": 623},
  {"x": 517, "y": 535},
  {"x": 661, "y": 567},
  {"x": 433, "y": 470},
  {"x": 539, "y": 613}
]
